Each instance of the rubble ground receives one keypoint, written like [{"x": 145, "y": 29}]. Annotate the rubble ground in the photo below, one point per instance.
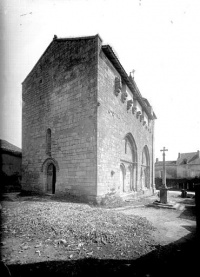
[
  {"x": 38, "y": 231},
  {"x": 41, "y": 229}
]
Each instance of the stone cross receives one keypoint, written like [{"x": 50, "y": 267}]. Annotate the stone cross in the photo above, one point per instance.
[{"x": 164, "y": 169}]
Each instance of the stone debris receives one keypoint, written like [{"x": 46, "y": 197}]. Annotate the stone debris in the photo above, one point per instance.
[{"x": 78, "y": 228}]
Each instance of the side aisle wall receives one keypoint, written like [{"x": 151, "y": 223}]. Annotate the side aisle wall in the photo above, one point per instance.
[{"x": 114, "y": 122}]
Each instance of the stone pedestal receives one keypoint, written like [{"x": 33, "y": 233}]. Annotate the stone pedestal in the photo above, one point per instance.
[
  {"x": 183, "y": 193},
  {"x": 163, "y": 196},
  {"x": 197, "y": 204}
]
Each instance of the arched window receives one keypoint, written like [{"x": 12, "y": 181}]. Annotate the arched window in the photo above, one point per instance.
[
  {"x": 129, "y": 159},
  {"x": 48, "y": 142},
  {"x": 130, "y": 150},
  {"x": 145, "y": 168}
]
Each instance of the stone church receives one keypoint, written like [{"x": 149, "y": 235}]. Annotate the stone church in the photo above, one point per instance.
[{"x": 86, "y": 129}]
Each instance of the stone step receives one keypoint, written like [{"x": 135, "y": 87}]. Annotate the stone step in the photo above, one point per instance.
[{"x": 170, "y": 205}]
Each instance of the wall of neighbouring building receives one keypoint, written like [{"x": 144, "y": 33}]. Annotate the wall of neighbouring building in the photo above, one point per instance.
[
  {"x": 10, "y": 171},
  {"x": 171, "y": 171},
  {"x": 188, "y": 171},
  {"x": 182, "y": 173}
]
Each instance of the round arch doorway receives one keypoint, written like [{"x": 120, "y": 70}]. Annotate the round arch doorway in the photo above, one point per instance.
[{"x": 51, "y": 178}]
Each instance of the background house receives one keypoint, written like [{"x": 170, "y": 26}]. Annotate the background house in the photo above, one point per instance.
[
  {"x": 182, "y": 173},
  {"x": 171, "y": 169},
  {"x": 188, "y": 165},
  {"x": 10, "y": 171}
]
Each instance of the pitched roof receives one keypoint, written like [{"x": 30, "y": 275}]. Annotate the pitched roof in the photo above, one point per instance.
[
  {"x": 8, "y": 147},
  {"x": 109, "y": 52},
  {"x": 188, "y": 158}
]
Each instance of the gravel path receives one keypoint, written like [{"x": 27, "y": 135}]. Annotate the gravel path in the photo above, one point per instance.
[{"x": 171, "y": 225}]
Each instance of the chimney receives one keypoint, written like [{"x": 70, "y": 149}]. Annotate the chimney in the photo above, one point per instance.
[
  {"x": 157, "y": 160},
  {"x": 179, "y": 155},
  {"x": 198, "y": 154}
]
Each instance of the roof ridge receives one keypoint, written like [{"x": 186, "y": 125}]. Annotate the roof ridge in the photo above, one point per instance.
[
  {"x": 188, "y": 153},
  {"x": 76, "y": 38},
  {"x": 7, "y": 146}
]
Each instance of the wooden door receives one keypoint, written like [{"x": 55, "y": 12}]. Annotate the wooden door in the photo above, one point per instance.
[{"x": 51, "y": 178}]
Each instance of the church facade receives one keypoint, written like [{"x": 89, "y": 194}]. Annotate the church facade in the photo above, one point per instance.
[{"x": 86, "y": 129}]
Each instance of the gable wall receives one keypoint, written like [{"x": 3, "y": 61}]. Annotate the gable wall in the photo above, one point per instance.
[{"x": 60, "y": 93}]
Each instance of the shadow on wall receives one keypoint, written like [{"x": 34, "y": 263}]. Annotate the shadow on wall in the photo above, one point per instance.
[{"x": 175, "y": 259}]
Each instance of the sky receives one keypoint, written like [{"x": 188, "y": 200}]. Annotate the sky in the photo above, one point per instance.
[{"x": 159, "y": 39}]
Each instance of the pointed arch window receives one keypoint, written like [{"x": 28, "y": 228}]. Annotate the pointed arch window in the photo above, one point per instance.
[
  {"x": 145, "y": 168},
  {"x": 48, "y": 142},
  {"x": 129, "y": 159}
]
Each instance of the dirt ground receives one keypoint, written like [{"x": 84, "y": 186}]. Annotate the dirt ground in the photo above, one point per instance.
[
  {"x": 171, "y": 224},
  {"x": 166, "y": 249}
]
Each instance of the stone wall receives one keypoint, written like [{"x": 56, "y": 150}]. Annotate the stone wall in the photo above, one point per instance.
[
  {"x": 11, "y": 164},
  {"x": 114, "y": 122},
  {"x": 178, "y": 171},
  {"x": 171, "y": 171},
  {"x": 73, "y": 118},
  {"x": 60, "y": 93},
  {"x": 178, "y": 183},
  {"x": 188, "y": 171},
  {"x": 10, "y": 172}
]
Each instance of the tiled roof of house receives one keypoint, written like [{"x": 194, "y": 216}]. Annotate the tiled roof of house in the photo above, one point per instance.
[
  {"x": 8, "y": 147},
  {"x": 188, "y": 158}
]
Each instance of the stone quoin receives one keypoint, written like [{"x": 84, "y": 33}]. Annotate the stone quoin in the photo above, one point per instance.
[{"x": 86, "y": 129}]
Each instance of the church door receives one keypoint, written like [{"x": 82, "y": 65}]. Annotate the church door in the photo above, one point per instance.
[{"x": 51, "y": 178}]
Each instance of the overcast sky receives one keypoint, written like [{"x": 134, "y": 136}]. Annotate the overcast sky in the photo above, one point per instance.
[{"x": 159, "y": 39}]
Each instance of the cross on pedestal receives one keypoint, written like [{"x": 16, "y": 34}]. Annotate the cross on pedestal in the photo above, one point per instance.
[
  {"x": 164, "y": 169},
  {"x": 163, "y": 190}
]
